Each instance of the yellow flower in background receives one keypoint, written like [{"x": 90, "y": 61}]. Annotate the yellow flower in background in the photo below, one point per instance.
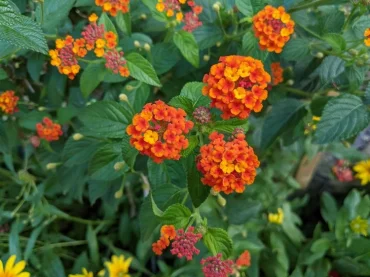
[
  {"x": 101, "y": 273},
  {"x": 277, "y": 218},
  {"x": 363, "y": 171},
  {"x": 359, "y": 226},
  {"x": 13, "y": 269},
  {"x": 312, "y": 126},
  {"x": 85, "y": 273},
  {"x": 119, "y": 266}
]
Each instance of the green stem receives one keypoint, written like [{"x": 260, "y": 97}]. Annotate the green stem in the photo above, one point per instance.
[
  {"x": 62, "y": 244},
  {"x": 42, "y": 12},
  {"x": 349, "y": 18},
  {"x": 185, "y": 198},
  {"x": 311, "y": 4},
  {"x": 297, "y": 91},
  {"x": 309, "y": 31},
  {"x": 86, "y": 221},
  {"x": 222, "y": 26}
]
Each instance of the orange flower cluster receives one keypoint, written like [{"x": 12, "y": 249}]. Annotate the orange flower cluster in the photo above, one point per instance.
[
  {"x": 367, "y": 37},
  {"x": 158, "y": 131},
  {"x": 277, "y": 73},
  {"x": 49, "y": 130},
  {"x": 65, "y": 55},
  {"x": 113, "y": 6},
  {"x": 94, "y": 37},
  {"x": 273, "y": 27},
  {"x": 244, "y": 259},
  {"x": 168, "y": 233},
  {"x": 237, "y": 85},
  {"x": 8, "y": 102},
  {"x": 227, "y": 166}
]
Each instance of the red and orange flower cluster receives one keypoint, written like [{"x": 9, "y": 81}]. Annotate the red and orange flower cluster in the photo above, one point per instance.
[
  {"x": 8, "y": 102},
  {"x": 183, "y": 244},
  {"x": 237, "y": 85},
  {"x": 216, "y": 267},
  {"x": 244, "y": 259},
  {"x": 367, "y": 37},
  {"x": 227, "y": 166},
  {"x": 273, "y": 27},
  {"x": 94, "y": 37},
  {"x": 49, "y": 130},
  {"x": 173, "y": 8},
  {"x": 277, "y": 73},
  {"x": 159, "y": 131},
  {"x": 113, "y": 6}
]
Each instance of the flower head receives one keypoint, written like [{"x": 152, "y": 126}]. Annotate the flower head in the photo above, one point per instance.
[
  {"x": 273, "y": 27},
  {"x": 159, "y": 131},
  {"x": 64, "y": 57},
  {"x": 119, "y": 266},
  {"x": 367, "y": 37},
  {"x": 277, "y": 218},
  {"x": 49, "y": 130},
  {"x": 93, "y": 32},
  {"x": 277, "y": 73},
  {"x": 85, "y": 273},
  {"x": 8, "y": 102},
  {"x": 244, "y": 259},
  {"x": 170, "y": 7},
  {"x": 13, "y": 269},
  {"x": 113, "y": 6},
  {"x": 363, "y": 171},
  {"x": 202, "y": 115},
  {"x": 191, "y": 19},
  {"x": 227, "y": 166},
  {"x": 216, "y": 267},
  {"x": 237, "y": 85},
  {"x": 342, "y": 171},
  {"x": 359, "y": 226},
  {"x": 184, "y": 243},
  {"x": 116, "y": 62},
  {"x": 168, "y": 233}
]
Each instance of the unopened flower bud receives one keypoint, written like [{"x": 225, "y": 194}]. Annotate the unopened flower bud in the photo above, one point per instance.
[
  {"x": 218, "y": 44},
  {"x": 77, "y": 136},
  {"x": 16, "y": 65},
  {"x": 213, "y": 192},
  {"x": 41, "y": 109},
  {"x": 129, "y": 87},
  {"x": 51, "y": 166},
  {"x": 216, "y": 6},
  {"x": 206, "y": 58},
  {"x": 366, "y": 56},
  {"x": 202, "y": 115},
  {"x": 119, "y": 165},
  {"x": 147, "y": 47},
  {"x": 35, "y": 141},
  {"x": 118, "y": 194},
  {"x": 5, "y": 118},
  {"x": 290, "y": 82},
  {"x": 221, "y": 201},
  {"x": 137, "y": 44},
  {"x": 353, "y": 52},
  {"x": 123, "y": 97},
  {"x": 143, "y": 16},
  {"x": 319, "y": 55}
]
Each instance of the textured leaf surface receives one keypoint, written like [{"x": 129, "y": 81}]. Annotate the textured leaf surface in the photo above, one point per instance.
[
  {"x": 218, "y": 241},
  {"x": 142, "y": 70},
  {"x": 343, "y": 117},
  {"x": 188, "y": 47}
]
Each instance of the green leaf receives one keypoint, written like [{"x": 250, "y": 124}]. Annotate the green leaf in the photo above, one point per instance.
[
  {"x": 157, "y": 174},
  {"x": 3, "y": 74},
  {"x": 321, "y": 245},
  {"x": 141, "y": 69},
  {"x": 55, "y": 13},
  {"x": 20, "y": 31},
  {"x": 342, "y": 118},
  {"x": 296, "y": 49},
  {"x": 93, "y": 245},
  {"x": 91, "y": 77},
  {"x": 228, "y": 126},
  {"x": 284, "y": 114},
  {"x": 101, "y": 167},
  {"x": 129, "y": 153},
  {"x": 165, "y": 56},
  {"x": 198, "y": 192},
  {"x": 123, "y": 21},
  {"x": 251, "y": 47},
  {"x": 336, "y": 41},
  {"x": 32, "y": 241},
  {"x": 35, "y": 65},
  {"x": 177, "y": 215},
  {"x": 182, "y": 102},
  {"x": 193, "y": 143},
  {"x": 218, "y": 241},
  {"x": 330, "y": 68},
  {"x": 193, "y": 91},
  {"x": 97, "y": 189},
  {"x": 52, "y": 265},
  {"x": 107, "y": 119},
  {"x": 245, "y": 7},
  {"x": 137, "y": 95},
  {"x": 367, "y": 95},
  {"x": 360, "y": 25},
  {"x": 351, "y": 203},
  {"x": 79, "y": 152},
  {"x": 329, "y": 209},
  {"x": 240, "y": 208},
  {"x": 108, "y": 24},
  {"x": 207, "y": 36},
  {"x": 333, "y": 21},
  {"x": 188, "y": 47}
]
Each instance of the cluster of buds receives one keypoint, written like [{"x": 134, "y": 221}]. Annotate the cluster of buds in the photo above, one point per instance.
[
  {"x": 342, "y": 171},
  {"x": 48, "y": 130},
  {"x": 216, "y": 267},
  {"x": 94, "y": 37},
  {"x": 312, "y": 126},
  {"x": 173, "y": 8}
]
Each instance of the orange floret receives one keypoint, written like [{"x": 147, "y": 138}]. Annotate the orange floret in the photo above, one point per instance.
[
  {"x": 49, "y": 130},
  {"x": 273, "y": 27},
  {"x": 367, "y": 37},
  {"x": 113, "y": 6},
  {"x": 159, "y": 131},
  {"x": 277, "y": 73},
  {"x": 8, "y": 102},
  {"x": 227, "y": 166},
  {"x": 237, "y": 85}
]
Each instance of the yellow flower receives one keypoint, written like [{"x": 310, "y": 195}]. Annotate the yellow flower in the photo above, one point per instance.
[
  {"x": 13, "y": 269},
  {"x": 85, "y": 273},
  {"x": 160, "y": 7},
  {"x": 227, "y": 167},
  {"x": 179, "y": 16},
  {"x": 93, "y": 17},
  {"x": 359, "y": 226},
  {"x": 150, "y": 137},
  {"x": 276, "y": 218},
  {"x": 363, "y": 171},
  {"x": 100, "y": 43},
  {"x": 118, "y": 267}
]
